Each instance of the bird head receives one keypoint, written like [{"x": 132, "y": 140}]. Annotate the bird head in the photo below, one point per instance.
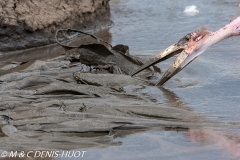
[{"x": 190, "y": 47}]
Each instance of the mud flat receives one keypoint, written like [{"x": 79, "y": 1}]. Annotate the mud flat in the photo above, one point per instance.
[
  {"x": 59, "y": 103},
  {"x": 25, "y": 24},
  {"x": 62, "y": 104}
]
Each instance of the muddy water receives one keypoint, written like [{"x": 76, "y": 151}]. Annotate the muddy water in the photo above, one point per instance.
[
  {"x": 50, "y": 51},
  {"x": 208, "y": 89},
  {"x": 209, "y": 86}
]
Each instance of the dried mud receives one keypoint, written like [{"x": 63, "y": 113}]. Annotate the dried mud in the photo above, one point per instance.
[{"x": 25, "y": 24}]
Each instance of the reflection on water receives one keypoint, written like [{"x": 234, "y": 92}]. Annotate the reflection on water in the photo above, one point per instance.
[
  {"x": 231, "y": 142},
  {"x": 154, "y": 145},
  {"x": 192, "y": 144},
  {"x": 50, "y": 51},
  {"x": 209, "y": 86}
]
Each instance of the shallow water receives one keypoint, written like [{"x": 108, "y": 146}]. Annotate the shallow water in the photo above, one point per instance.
[
  {"x": 211, "y": 83},
  {"x": 209, "y": 86},
  {"x": 156, "y": 145}
]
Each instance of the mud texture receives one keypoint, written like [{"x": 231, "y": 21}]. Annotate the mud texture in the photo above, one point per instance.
[
  {"x": 25, "y": 24},
  {"x": 43, "y": 107},
  {"x": 61, "y": 103}
]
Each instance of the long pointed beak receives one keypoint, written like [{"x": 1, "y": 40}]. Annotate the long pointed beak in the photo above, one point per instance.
[
  {"x": 181, "y": 61},
  {"x": 189, "y": 47},
  {"x": 172, "y": 50},
  {"x": 165, "y": 54},
  {"x": 195, "y": 46}
]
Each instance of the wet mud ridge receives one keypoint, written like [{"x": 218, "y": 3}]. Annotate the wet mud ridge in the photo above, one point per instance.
[{"x": 85, "y": 98}]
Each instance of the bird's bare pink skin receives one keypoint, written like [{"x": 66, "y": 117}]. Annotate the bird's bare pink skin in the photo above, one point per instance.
[
  {"x": 205, "y": 40},
  {"x": 199, "y": 42},
  {"x": 193, "y": 39},
  {"x": 190, "y": 47}
]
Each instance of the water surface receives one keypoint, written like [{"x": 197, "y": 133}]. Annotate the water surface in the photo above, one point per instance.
[
  {"x": 211, "y": 83},
  {"x": 209, "y": 86}
]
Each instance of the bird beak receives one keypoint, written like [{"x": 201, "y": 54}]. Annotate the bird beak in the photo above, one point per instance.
[
  {"x": 189, "y": 47},
  {"x": 193, "y": 48},
  {"x": 172, "y": 50},
  {"x": 167, "y": 53},
  {"x": 181, "y": 61}
]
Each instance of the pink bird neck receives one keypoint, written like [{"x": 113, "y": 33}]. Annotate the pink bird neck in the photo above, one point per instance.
[
  {"x": 235, "y": 26},
  {"x": 201, "y": 41},
  {"x": 231, "y": 29}
]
